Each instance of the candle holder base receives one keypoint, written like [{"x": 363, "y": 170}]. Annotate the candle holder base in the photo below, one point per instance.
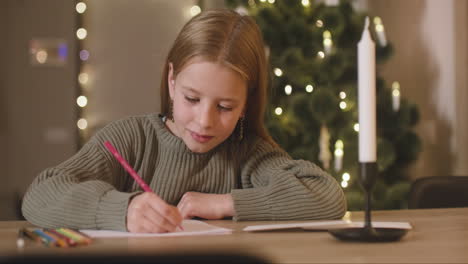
[
  {"x": 368, "y": 174},
  {"x": 369, "y": 234}
]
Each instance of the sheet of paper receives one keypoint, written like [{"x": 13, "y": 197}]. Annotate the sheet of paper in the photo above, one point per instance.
[
  {"x": 191, "y": 228},
  {"x": 325, "y": 225}
]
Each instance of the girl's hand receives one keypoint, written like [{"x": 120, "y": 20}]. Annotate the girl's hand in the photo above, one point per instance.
[
  {"x": 207, "y": 206},
  {"x": 147, "y": 213}
]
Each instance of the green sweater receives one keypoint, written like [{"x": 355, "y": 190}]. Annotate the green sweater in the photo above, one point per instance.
[{"x": 92, "y": 190}]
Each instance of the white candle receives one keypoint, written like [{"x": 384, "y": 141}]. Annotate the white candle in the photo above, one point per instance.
[
  {"x": 380, "y": 31},
  {"x": 327, "y": 42},
  {"x": 338, "y": 155},
  {"x": 366, "y": 97},
  {"x": 396, "y": 96}
]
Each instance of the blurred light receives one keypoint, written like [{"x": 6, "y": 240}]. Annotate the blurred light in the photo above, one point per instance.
[
  {"x": 271, "y": 1},
  {"x": 343, "y": 105},
  {"x": 63, "y": 51},
  {"x": 344, "y": 184},
  {"x": 321, "y": 54},
  {"x": 346, "y": 176},
  {"x": 263, "y": 1},
  {"x": 379, "y": 28},
  {"x": 278, "y": 72},
  {"x": 319, "y": 23},
  {"x": 339, "y": 144},
  {"x": 305, "y": 2},
  {"x": 327, "y": 42},
  {"x": 309, "y": 88},
  {"x": 326, "y": 34},
  {"x": 84, "y": 55},
  {"x": 377, "y": 20},
  {"x": 339, "y": 152},
  {"x": 82, "y": 124},
  {"x": 396, "y": 92},
  {"x": 396, "y": 85},
  {"x": 82, "y": 101},
  {"x": 41, "y": 56},
  {"x": 81, "y": 7},
  {"x": 83, "y": 78},
  {"x": 356, "y": 127},
  {"x": 278, "y": 111},
  {"x": 342, "y": 95},
  {"x": 195, "y": 10},
  {"x": 81, "y": 33},
  {"x": 288, "y": 89}
]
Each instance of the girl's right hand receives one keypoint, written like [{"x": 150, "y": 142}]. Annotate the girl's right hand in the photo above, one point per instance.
[{"x": 147, "y": 213}]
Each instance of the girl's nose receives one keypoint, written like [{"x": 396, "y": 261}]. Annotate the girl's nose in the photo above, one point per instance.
[{"x": 207, "y": 117}]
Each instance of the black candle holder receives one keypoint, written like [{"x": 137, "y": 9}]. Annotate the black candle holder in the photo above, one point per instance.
[{"x": 368, "y": 175}]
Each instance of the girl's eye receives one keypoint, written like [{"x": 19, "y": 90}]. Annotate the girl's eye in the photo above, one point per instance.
[
  {"x": 224, "y": 108},
  {"x": 191, "y": 100}
]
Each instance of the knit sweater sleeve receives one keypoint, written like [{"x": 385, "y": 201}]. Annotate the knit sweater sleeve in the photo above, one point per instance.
[
  {"x": 276, "y": 187},
  {"x": 89, "y": 190}
]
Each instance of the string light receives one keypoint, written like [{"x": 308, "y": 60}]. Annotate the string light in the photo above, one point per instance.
[
  {"x": 356, "y": 127},
  {"x": 305, "y": 3},
  {"x": 343, "y": 105},
  {"x": 342, "y": 95},
  {"x": 278, "y": 72},
  {"x": 309, "y": 88},
  {"x": 81, "y": 33},
  {"x": 195, "y": 10},
  {"x": 288, "y": 89},
  {"x": 319, "y": 23},
  {"x": 82, "y": 124},
  {"x": 321, "y": 54},
  {"x": 83, "y": 78},
  {"x": 80, "y": 7},
  {"x": 278, "y": 111},
  {"x": 345, "y": 177},
  {"x": 84, "y": 55},
  {"x": 82, "y": 101}
]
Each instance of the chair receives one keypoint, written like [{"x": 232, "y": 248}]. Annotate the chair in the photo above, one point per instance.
[{"x": 439, "y": 192}]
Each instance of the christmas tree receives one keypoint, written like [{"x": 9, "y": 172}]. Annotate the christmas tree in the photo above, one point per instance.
[{"x": 312, "y": 49}]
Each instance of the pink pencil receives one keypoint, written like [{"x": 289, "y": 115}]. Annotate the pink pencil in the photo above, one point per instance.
[{"x": 129, "y": 169}]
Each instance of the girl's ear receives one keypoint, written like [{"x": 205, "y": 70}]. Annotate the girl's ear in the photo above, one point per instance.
[{"x": 171, "y": 80}]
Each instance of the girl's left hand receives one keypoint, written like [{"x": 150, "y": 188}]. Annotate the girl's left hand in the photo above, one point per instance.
[{"x": 206, "y": 205}]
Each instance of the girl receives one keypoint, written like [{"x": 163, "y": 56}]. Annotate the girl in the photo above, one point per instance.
[{"x": 207, "y": 155}]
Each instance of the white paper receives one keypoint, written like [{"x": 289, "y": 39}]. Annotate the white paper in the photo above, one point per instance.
[
  {"x": 191, "y": 228},
  {"x": 325, "y": 225}
]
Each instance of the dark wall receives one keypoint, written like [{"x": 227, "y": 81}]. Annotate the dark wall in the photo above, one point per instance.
[{"x": 37, "y": 103}]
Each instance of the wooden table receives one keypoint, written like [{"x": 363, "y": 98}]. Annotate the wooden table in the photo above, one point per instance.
[{"x": 438, "y": 236}]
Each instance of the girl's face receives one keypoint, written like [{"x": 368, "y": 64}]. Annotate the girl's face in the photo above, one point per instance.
[{"x": 208, "y": 99}]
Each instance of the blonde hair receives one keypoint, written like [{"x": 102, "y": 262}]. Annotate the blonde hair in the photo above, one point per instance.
[{"x": 226, "y": 37}]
